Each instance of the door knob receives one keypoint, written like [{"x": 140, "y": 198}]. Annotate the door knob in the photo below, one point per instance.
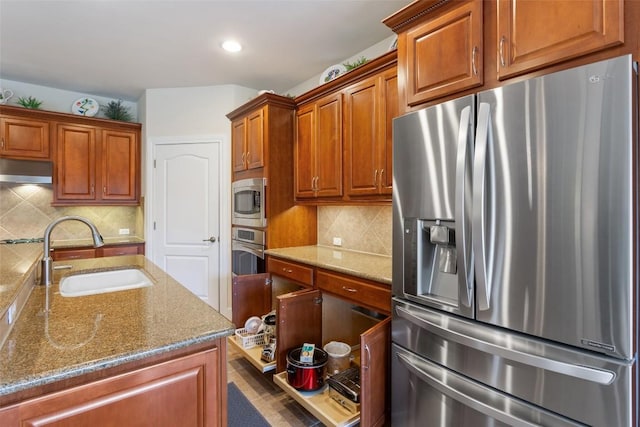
[{"x": 210, "y": 239}]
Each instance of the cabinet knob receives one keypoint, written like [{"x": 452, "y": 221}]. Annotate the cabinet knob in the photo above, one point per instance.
[
  {"x": 375, "y": 178},
  {"x": 287, "y": 270},
  {"x": 248, "y": 155},
  {"x": 344, "y": 288},
  {"x": 503, "y": 40},
  {"x": 381, "y": 177}
]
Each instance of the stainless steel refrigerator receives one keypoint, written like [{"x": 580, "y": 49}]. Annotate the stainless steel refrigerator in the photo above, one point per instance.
[{"x": 515, "y": 254}]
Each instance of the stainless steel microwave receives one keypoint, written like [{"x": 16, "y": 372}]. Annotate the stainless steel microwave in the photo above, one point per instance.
[{"x": 248, "y": 207}]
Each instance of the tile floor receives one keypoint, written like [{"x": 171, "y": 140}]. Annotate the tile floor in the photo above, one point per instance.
[{"x": 275, "y": 405}]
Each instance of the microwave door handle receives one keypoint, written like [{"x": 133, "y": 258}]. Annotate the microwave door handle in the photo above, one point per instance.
[
  {"x": 479, "y": 234},
  {"x": 463, "y": 205}
]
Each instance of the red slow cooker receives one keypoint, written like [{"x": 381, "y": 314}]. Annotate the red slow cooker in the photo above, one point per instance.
[{"x": 306, "y": 376}]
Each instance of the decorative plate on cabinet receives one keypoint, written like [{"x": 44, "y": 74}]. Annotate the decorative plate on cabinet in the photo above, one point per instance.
[
  {"x": 332, "y": 72},
  {"x": 85, "y": 107}
]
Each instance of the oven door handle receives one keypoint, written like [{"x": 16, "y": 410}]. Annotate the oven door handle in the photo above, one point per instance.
[{"x": 256, "y": 250}]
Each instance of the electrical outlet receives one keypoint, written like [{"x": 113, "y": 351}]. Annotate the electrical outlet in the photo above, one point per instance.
[
  {"x": 337, "y": 241},
  {"x": 123, "y": 231}
]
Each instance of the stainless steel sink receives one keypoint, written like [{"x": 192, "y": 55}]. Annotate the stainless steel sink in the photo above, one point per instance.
[{"x": 103, "y": 282}]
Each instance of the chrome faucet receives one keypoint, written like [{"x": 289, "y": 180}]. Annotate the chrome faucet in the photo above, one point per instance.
[{"x": 47, "y": 261}]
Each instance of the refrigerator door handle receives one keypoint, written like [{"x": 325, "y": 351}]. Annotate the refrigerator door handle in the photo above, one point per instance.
[
  {"x": 479, "y": 398},
  {"x": 463, "y": 207},
  {"x": 479, "y": 233},
  {"x": 578, "y": 371}
]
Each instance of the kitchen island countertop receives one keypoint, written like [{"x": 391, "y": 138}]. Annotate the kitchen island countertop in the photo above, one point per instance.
[
  {"x": 360, "y": 264},
  {"x": 81, "y": 335}
]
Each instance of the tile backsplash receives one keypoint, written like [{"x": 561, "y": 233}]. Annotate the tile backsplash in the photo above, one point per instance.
[
  {"x": 361, "y": 228},
  {"x": 25, "y": 211}
]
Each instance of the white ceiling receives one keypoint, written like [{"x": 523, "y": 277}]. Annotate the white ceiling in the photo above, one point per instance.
[{"x": 119, "y": 48}]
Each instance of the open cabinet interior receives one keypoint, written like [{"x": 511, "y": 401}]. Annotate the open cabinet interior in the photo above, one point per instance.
[{"x": 307, "y": 315}]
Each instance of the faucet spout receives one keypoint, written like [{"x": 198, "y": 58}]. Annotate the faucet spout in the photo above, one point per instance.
[{"x": 47, "y": 261}]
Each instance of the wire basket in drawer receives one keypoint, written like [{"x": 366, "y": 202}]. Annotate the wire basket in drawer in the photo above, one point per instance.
[{"x": 248, "y": 340}]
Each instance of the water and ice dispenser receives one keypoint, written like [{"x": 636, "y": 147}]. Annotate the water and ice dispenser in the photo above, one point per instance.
[{"x": 431, "y": 260}]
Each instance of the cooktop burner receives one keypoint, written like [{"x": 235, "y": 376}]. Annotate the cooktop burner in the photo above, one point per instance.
[{"x": 26, "y": 240}]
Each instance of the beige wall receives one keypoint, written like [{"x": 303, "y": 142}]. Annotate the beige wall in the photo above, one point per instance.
[
  {"x": 361, "y": 228},
  {"x": 25, "y": 212}
]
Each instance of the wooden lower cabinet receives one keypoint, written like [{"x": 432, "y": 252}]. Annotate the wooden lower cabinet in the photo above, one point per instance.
[
  {"x": 187, "y": 391},
  {"x": 61, "y": 254},
  {"x": 300, "y": 319}
]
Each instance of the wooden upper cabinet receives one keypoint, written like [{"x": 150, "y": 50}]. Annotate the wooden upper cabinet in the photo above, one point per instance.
[
  {"x": 238, "y": 143},
  {"x": 248, "y": 141},
  {"x": 120, "y": 165},
  {"x": 329, "y": 146},
  {"x": 24, "y": 138},
  {"x": 318, "y": 148},
  {"x": 75, "y": 163},
  {"x": 532, "y": 34},
  {"x": 96, "y": 166},
  {"x": 304, "y": 149},
  {"x": 442, "y": 55},
  {"x": 370, "y": 107}
]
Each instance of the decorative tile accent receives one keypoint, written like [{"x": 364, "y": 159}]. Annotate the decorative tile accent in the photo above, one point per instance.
[
  {"x": 25, "y": 211},
  {"x": 361, "y": 228}
]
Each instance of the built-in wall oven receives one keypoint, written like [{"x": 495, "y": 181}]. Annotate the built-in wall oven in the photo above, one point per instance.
[
  {"x": 247, "y": 251},
  {"x": 248, "y": 207}
]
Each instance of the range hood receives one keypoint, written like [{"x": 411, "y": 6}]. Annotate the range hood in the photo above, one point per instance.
[{"x": 26, "y": 171}]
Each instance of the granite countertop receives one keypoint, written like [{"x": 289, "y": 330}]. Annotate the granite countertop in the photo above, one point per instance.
[
  {"x": 84, "y": 334},
  {"x": 17, "y": 262},
  {"x": 360, "y": 264}
]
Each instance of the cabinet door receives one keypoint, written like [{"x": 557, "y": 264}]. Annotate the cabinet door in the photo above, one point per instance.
[
  {"x": 120, "y": 164},
  {"x": 304, "y": 151},
  {"x": 362, "y": 137},
  {"x": 444, "y": 55},
  {"x": 390, "y": 103},
  {"x": 375, "y": 374},
  {"x": 23, "y": 138},
  {"x": 533, "y": 34},
  {"x": 75, "y": 163},
  {"x": 299, "y": 316},
  {"x": 329, "y": 146},
  {"x": 189, "y": 391},
  {"x": 238, "y": 143},
  {"x": 250, "y": 296},
  {"x": 255, "y": 139}
]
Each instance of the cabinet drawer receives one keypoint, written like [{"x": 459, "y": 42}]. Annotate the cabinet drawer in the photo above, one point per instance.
[
  {"x": 119, "y": 250},
  {"x": 64, "y": 254},
  {"x": 300, "y": 273},
  {"x": 361, "y": 292}
]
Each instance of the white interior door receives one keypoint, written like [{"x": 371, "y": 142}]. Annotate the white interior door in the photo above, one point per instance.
[{"x": 186, "y": 222}]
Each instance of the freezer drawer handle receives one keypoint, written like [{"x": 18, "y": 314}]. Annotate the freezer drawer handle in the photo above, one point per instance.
[
  {"x": 461, "y": 386},
  {"x": 582, "y": 372}
]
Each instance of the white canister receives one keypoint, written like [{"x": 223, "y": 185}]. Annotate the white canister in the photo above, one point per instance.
[{"x": 339, "y": 356}]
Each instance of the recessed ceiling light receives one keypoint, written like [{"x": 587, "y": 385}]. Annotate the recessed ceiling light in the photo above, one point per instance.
[{"x": 231, "y": 46}]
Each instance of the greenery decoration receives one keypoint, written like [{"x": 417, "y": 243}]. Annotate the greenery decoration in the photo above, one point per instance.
[
  {"x": 115, "y": 110},
  {"x": 350, "y": 66},
  {"x": 29, "y": 102}
]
